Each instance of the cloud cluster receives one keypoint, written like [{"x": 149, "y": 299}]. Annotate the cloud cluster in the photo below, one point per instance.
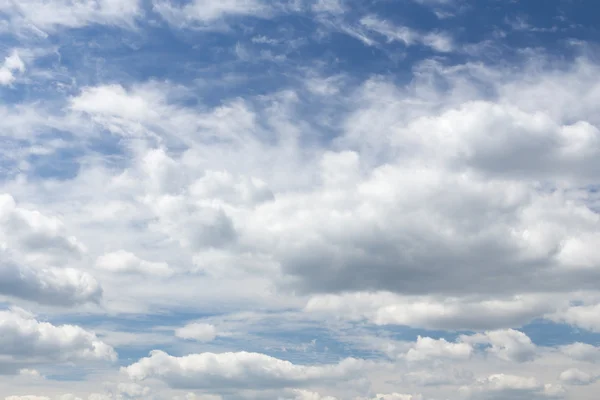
[
  {"x": 29, "y": 342},
  {"x": 391, "y": 223}
]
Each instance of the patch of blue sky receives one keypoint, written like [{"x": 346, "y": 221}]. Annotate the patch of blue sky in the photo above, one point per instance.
[
  {"x": 406, "y": 333},
  {"x": 547, "y": 333},
  {"x": 65, "y": 373},
  {"x": 132, "y": 322},
  {"x": 62, "y": 164}
]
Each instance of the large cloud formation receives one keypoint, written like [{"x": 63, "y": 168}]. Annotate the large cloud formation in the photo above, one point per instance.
[{"x": 411, "y": 215}]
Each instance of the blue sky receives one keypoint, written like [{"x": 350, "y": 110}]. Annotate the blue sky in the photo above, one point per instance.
[{"x": 299, "y": 200}]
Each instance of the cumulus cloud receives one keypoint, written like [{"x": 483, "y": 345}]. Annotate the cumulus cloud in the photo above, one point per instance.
[
  {"x": 122, "y": 261},
  {"x": 575, "y": 376},
  {"x": 50, "y": 286},
  {"x": 12, "y": 64},
  {"x": 427, "y": 348},
  {"x": 581, "y": 352},
  {"x": 349, "y": 206},
  {"x": 133, "y": 390},
  {"x": 30, "y": 372},
  {"x": 197, "y": 331},
  {"x": 385, "y": 308},
  {"x": 369, "y": 256},
  {"x": 29, "y": 240},
  {"x": 236, "y": 370},
  {"x": 583, "y": 316},
  {"x": 502, "y": 386},
  {"x": 27, "y": 341},
  {"x": 36, "y": 234},
  {"x": 509, "y": 345}
]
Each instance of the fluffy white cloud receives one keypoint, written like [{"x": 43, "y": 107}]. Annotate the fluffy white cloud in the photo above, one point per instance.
[
  {"x": 509, "y": 345},
  {"x": 27, "y": 341},
  {"x": 122, "y": 261},
  {"x": 581, "y": 352},
  {"x": 502, "y": 386},
  {"x": 370, "y": 255},
  {"x": 50, "y": 286},
  {"x": 35, "y": 233},
  {"x": 30, "y": 372},
  {"x": 12, "y": 63},
  {"x": 197, "y": 331},
  {"x": 236, "y": 370},
  {"x": 511, "y": 232},
  {"x": 584, "y": 316},
  {"x": 133, "y": 390},
  {"x": 426, "y": 312},
  {"x": 431, "y": 349},
  {"x": 29, "y": 240},
  {"x": 463, "y": 208},
  {"x": 575, "y": 376}
]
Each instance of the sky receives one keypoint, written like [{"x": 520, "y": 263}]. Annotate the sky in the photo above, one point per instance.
[{"x": 299, "y": 200}]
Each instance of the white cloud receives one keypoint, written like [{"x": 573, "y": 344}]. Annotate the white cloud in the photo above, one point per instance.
[
  {"x": 509, "y": 345},
  {"x": 300, "y": 394},
  {"x": 439, "y": 374},
  {"x": 431, "y": 313},
  {"x": 397, "y": 396},
  {"x": 329, "y": 6},
  {"x": 437, "y": 41},
  {"x": 503, "y": 386},
  {"x": 48, "y": 16},
  {"x": 427, "y": 348},
  {"x": 575, "y": 376},
  {"x": 34, "y": 233},
  {"x": 12, "y": 63},
  {"x": 192, "y": 396},
  {"x": 133, "y": 390},
  {"x": 581, "y": 352},
  {"x": 122, "y": 261},
  {"x": 29, "y": 241},
  {"x": 93, "y": 396},
  {"x": 49, "y": 286},
  {"x": 197, "y": 331},
  {"x": 583, "y": 316},
  {"x": 236, "y": 370},
  {"x": 432, "y": 209},
  {"x": 207, "y": 13},
  {"x": 28, "y": 397},
  {"x": 34, "y": 373},
  {"x": 27, "y": 341}
]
